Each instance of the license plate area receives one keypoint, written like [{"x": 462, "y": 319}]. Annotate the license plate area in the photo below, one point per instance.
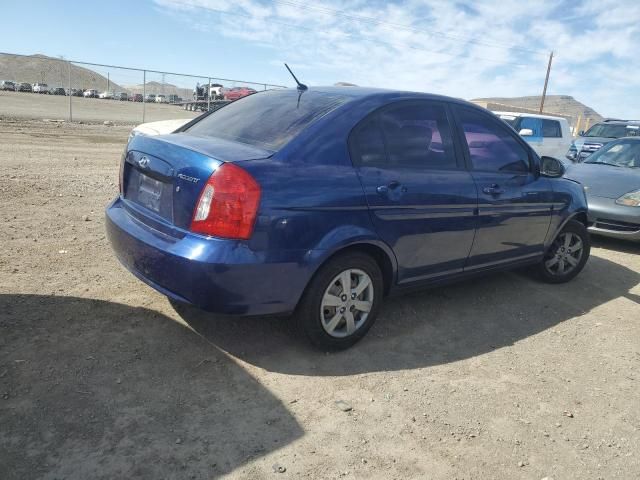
[{"x": 149, "y": 192}]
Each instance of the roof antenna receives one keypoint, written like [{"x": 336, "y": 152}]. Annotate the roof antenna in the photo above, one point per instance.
[{"x": 301, "y": 86}]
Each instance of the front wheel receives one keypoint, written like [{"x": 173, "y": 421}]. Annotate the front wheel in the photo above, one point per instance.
[
  {"x": 341, "y": 302},
  {"x": 567, "y": 255}
]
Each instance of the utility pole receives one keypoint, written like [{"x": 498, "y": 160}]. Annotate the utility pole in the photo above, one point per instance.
[
  {"x": 69, "y": 93},
  {"x": 546, "y": 82}
]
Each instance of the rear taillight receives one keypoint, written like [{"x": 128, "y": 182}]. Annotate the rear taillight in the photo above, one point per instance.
[
  {"x": 228, "y": 204},
  {"x": 121, "y": 173}
]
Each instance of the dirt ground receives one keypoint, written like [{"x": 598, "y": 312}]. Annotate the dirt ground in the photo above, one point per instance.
[
  {"x": 26, "y": 106},
  {"x": 101, "y": 378}
]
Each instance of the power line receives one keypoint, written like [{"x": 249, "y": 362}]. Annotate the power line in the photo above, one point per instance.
[
  {"x": 361, "y": 18},
  {"x": 369, "y": 39}
]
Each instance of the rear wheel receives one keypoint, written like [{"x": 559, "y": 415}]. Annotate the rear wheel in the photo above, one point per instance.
[
  {"x": 341, "y": 302},
  {"x": 567, "y": 255}
]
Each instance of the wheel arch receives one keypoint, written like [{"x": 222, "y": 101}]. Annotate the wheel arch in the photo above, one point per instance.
[
  {"x": 579, "y": 216},
  {"x": 376, "y": 249}
]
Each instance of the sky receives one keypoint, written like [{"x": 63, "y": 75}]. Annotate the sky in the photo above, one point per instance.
[{"x": 464, "y": 49}]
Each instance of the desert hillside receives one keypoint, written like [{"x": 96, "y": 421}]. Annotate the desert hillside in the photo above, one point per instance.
[
  {"x": 53, "y": 72},
  {"x": 563, "y": 105}
]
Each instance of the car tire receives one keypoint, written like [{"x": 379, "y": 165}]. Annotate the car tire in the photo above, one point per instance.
[
  {"x": 329, "y": 317},
  {"x": 567, "y": 255}
]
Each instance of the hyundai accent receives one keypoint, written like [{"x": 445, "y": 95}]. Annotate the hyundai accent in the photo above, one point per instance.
[{"x": 320, "y": 202}]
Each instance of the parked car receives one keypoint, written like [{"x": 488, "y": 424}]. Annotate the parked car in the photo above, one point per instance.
[
  {"x": 173, "y": 98},
  {"x": 40, "y": 88},
  {"x": 216, "y": 91},
  {"x": 161, "y": 127},
  {"x": 611, "y": 179},
  {"x": 57, "y": 91},
  {"x": 161, "y": 99},
  {"x": 236, "y": 93},
  {"x": 8, "y": 85},
  {"x": 106, "y": 95},
  {"x": 547, "y": 135},
  {"x": 91, "y": 93},
  {"x": 74, "y": 92},
  {"x": 123, "y": 96},
  {"x": 600, "y": 134},
  {"x": 136, "y": 97},
  {"x": 150, "y": 97},
  {"x": 24, "y": 87},
  {"x": 321, "y": 202}
]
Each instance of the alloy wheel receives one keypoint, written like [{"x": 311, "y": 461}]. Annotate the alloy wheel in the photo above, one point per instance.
[
  {"x": 565, "y": 254},
  {"x": 346, "y": 303}
]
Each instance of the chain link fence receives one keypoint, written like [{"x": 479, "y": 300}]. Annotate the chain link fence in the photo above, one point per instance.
[{"x": 41, "y": 87}]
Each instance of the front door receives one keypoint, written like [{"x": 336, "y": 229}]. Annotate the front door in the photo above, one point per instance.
[
  {"x": 514, "y": 201},
  {"x": 421, "y": 198}
]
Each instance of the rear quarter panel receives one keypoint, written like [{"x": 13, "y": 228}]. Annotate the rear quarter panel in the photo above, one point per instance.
[{"x": 312, "y": 200}]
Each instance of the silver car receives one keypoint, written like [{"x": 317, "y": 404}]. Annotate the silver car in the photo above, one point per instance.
[{"x": 611, "y": 179}]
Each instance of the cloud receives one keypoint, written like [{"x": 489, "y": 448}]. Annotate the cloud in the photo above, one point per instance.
[{"x": 464, "y": 49}]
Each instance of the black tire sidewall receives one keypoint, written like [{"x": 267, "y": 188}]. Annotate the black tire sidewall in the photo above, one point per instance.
[{"x": 307, "y": 314}]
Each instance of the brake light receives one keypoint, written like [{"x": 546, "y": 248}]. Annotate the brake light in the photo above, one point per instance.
[
  {"x": 228, "y": 204},
  {"x": 121, "y": 173}
]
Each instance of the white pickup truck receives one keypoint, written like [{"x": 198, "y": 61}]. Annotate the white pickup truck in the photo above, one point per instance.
[
  {"x": 40, "y": 88},
  {"x": 548, "y": 135}
]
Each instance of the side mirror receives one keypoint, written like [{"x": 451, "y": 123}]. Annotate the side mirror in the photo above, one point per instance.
[
  {"x": 581, "y": 133},
  {"x": 526, "y": 132},
  {"x": 551, "y": 167}
]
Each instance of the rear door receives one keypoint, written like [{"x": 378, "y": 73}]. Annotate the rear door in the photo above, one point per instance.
[
  {"x": 514, "y": 201},
  {"x": 421, "y": 198}
]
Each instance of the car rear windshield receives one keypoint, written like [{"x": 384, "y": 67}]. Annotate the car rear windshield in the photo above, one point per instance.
[{"x": 268, "y": 119}]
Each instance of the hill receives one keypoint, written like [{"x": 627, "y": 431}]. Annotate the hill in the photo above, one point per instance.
[
  {"x": 562, "y": 105},
  {"x": 158, "y": 88},
  {"x": 53, "y": 72}
]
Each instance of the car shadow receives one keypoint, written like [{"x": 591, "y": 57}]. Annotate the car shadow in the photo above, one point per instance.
[
  {"x": 95, "y": 389},
  {"x": 433, "y": 327}
]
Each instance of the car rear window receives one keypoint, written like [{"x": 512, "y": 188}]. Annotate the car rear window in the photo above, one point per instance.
[{"x": 268, "y": 119}]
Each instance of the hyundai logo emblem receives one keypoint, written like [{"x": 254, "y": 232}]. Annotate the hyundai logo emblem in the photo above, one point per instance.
[{"x": 143, "y": 162}]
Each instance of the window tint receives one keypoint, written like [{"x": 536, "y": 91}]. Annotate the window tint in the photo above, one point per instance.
[
  {"x": 415, "y": 135},
  {"x": 268, "y": 119},
  {"x": 491, "y": 146},
  {"x": 368, "y": 143},
  {"x": 551, "y": 129}
]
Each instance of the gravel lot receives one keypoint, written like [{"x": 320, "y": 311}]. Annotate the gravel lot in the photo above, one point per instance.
[
  {"x": 101, "y": 378},
  {"x": 26, "y": 106}
]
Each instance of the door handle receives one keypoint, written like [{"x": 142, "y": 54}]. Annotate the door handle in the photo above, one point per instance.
[
  {"x": 390, "y": 187},
  {"x": 493, "y": 189}
]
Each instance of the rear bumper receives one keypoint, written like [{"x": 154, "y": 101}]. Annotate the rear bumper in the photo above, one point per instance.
[
  {"x": 222, "y": 276},
  {"x": 612, "y": 220}
]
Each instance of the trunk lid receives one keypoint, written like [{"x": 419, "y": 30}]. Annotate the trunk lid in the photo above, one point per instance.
[{"x": 163, "y": 176}]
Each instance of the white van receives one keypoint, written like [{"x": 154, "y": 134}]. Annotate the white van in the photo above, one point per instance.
[{"x": 548, "y": 136}]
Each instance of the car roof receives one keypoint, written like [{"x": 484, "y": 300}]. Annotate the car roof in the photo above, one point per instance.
[
  {"x": 362, "y": 93},
  {"x": 530, "y": 115},
  {"x": 619, "y": 122}
]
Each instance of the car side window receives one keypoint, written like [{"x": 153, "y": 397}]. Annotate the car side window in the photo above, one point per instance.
[
  {"x": 551, "y": 129},
  {"x": 491, "y": 146},
  {"x": 367, "y": 143},
  {"x": 407, "y": 135},
  {"x": 533, "y": 124}
]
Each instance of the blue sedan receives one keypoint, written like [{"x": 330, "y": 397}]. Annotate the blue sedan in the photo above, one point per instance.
[{"x": 320, "y": 203}]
